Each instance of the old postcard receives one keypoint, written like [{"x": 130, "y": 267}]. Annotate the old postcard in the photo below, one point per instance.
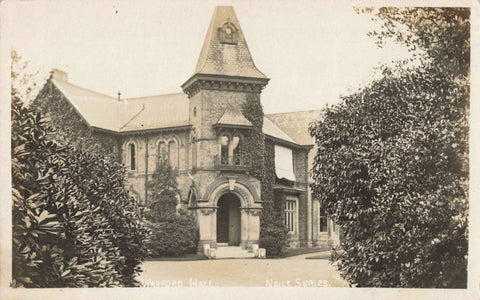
[{"x": 276, "y": 149}]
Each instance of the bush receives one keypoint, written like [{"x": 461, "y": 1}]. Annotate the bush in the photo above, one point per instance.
[
  {"x": 175, "y": 236},
  {"x": 274, "y": 238},
  {"x": 73, "y": 222},
  {"x": 392, "y": 163}
]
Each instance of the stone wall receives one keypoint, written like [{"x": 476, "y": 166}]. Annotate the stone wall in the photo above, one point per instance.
[{"x": 136, "y": 178}]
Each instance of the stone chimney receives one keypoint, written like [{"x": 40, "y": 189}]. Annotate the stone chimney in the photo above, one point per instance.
[{"x": 59, "y": 75}]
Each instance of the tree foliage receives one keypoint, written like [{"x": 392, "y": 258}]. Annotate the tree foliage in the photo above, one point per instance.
[
  {"x": 174, "y": 236},
  {"x": 73, "y": 222},
  {"x": 173, "y": 232},
  {"x": 392, "y": 161},
  {"x": 163, "y": 191},
  {"x": 23, "y": 84}
]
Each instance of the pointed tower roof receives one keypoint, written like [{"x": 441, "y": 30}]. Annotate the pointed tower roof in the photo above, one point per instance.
[
  {"x": 225, "y": 55},
  {"x": 225, "y": 51}
]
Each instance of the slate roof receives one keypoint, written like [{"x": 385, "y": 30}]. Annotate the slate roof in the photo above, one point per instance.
[
  {"x": 269, "y": 128},
  {"x": 96, "y": 109},
  {"x": 295, "y": 124},
  {"x": 144, "y": 113},
  {"x": 130, "y": 114},
  {"x": 233, "y": 117},
  {"x": 160, "y": 111},
  {"x": 226, "y": 59}
]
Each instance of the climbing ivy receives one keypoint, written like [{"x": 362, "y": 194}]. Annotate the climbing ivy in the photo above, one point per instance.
[
  {"x": 273, "y": 235},
  {"x": 70, "y": 127}
]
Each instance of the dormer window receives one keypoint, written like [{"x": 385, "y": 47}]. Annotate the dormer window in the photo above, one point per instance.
[{"x": 228, "y": 34}]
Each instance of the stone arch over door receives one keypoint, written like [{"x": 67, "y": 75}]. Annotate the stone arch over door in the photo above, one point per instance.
[
  {"x": 247, "y": 194},
  {"x": 249, "y": 211}
]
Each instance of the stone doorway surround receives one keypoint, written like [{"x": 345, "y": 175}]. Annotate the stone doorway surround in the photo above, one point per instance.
[{"x": 250, "y": 210}]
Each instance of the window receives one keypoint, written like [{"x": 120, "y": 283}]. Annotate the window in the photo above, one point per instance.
[
  {"x": 284, "y": 163},
  {"x": 323, "y": 220},
  {"x": 195, "y": 111},
  {"x": 194, "y": 152},
  {"x": 224, "y": 141},
  {"x": 162, "y": 153},
  {"x": 230, "y": 150},
  {"x": 291, "y": 215},
  {"x": 228, "y": 33},
  {"x": 236, "y": 150},
  {"x": 132, "y": 156},
  {"x": 173, "y": 153}
]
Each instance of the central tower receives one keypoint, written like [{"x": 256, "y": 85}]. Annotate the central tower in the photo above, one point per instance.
[{"x": 224, "y": 78}]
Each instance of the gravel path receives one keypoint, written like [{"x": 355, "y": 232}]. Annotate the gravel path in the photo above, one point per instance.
[{"x": 293, "y": 271}]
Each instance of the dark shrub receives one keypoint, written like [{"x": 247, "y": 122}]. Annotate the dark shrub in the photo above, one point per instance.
[
  {"x": 73, "y": 222},
  {"x": 392, "y": 166},
  {"x": 274, "y": 238},
  {"x": 175, "y": 236}
]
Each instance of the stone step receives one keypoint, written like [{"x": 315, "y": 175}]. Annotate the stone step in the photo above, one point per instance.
[{"x": 233, "y": 252}]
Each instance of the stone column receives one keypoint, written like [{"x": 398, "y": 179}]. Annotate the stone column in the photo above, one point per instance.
[
  {"x": 244, "y": 232},
  {"x": 251, "y": 226},
  {"x": 207, "y": 224}
]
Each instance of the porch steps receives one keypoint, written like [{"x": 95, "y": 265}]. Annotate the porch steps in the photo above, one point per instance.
[{"x": 233, "y": 252}]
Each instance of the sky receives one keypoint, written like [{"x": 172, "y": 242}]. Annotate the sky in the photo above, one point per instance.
[{"x": 313, "y": 51}]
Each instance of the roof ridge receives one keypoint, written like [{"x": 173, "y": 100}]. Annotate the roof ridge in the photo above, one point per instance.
[
  {"x": 86, "y": 89},
  {"x": 169, "y": 94},
  {"x": 297, "y": 111}
]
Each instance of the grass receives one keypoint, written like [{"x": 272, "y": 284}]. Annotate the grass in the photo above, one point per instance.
[
  {"x": 300, "y": 251},
  {"x": 320, "y": 256},
  {"x": 289, "y": 252},
  {"x": 186, "y": 257}
]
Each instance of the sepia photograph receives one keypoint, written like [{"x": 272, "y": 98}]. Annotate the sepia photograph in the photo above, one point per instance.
[{"x": 310, "y": 149}]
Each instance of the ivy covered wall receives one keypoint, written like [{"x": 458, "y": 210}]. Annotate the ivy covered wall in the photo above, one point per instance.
[
  {"x": 69, "y": 126},
  {"x": 273, "y": 234}
]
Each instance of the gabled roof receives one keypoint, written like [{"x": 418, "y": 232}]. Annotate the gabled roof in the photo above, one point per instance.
[
  {"x": 233, "y": 117},
  {"x": 98, "y": 110},
  {"x": 226, "y": 58},
  {"x": 146, "y": 113},
  {"x": 296, "y": 124},
  {"x": 131, "y": 114},
  {"x": 154, "y": 112},
  {"x": 269, "y": 128}
]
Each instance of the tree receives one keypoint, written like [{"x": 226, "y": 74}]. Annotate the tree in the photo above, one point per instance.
[
  {"x": 392, "y": 161},
  {"x": 23, "y": 84},
  {"x": 173, "y": 232},
  {"x": 73, "y": 222},
  {"x": 163, "y": 191}
]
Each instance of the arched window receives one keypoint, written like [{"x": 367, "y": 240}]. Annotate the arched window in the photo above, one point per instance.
[
  {"x": 236, "y": 150},
  {"x": 230, "y": 150},
  {"x": 132, "y": 155},
  {"x": 173, "y": 153},
  {"x": 224, "y": 142},
  {"x": 162, "y": 152}
]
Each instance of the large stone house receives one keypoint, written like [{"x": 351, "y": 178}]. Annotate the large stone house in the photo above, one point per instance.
[{"x": 202, "y": 132}]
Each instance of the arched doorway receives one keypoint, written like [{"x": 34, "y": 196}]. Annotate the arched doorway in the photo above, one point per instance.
[{"x": 228, "y": 220}]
